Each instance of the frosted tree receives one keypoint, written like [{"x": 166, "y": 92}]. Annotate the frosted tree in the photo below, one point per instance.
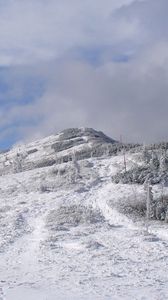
[
  {"x": 17, "y": 163},
  {"x": 74, "y": 173},
  {"x": 146, "y": 155},
  {"x": 154, "y": 161},
  {"x": 106, "y": 151},
  {"x": 150, "y": 199},
  {"x": 163, "y": 163}
]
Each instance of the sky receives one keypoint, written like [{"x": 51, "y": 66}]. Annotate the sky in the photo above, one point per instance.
[{"x": 93, "y": 63}]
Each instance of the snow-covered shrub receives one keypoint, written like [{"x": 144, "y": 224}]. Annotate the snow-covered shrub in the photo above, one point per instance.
[
  {"x": 73, "y": 215},
  {"x": 31, "y": 151},
  {"x": 54, "y": 171},
  {"x": 45, "y": 163},
  {"x": 70, "y": 133},
  {"x": 135, "y": 206},
  {"x": 20, "y": 224},
  {"x": 67, "y": 144},
  {"x": 135, "y": 175},
  {"x": 62, "y": 171},
  {"x": 97, "y": 149},
  {"x": 159, "y": 146},
  {"x": 139, "y": 174},
  {"x": 44, "y": 188},
  {"x": 161, "y": 208}
]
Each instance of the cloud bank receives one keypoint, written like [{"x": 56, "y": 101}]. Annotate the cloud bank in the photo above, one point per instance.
[{"x": 83, "y": 63}]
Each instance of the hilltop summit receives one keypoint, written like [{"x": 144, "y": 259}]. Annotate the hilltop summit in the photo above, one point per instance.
[{"x": 55, "y": 149}]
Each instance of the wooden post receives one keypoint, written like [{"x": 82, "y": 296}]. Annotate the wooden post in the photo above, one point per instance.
[
  {"x": 125, "y": 163},
  {"x": 148, "y": 205}
]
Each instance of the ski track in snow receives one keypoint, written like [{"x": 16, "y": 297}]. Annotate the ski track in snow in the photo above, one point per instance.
[{"x": 109, "y": 259}]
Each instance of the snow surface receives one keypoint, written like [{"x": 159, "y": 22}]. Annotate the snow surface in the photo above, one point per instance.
[{"x": 63, "y": 237}]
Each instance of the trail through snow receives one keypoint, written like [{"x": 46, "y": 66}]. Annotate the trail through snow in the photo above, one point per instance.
[{"x": 72, "y": 243}]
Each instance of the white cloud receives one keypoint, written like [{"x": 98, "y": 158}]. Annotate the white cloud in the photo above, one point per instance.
[
  {"x": 127, "y": 98},
  {"x": 38, "y": 30}
]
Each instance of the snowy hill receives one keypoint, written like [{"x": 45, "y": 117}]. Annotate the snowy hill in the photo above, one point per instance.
[
  {"x": 72, "y": 220},
  {"x": 59, "y": 148}
]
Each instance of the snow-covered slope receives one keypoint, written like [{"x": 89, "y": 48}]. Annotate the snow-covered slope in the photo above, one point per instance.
[
  {"x": 58, "y": 148},
  {"x": 67, "y": 231}
]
